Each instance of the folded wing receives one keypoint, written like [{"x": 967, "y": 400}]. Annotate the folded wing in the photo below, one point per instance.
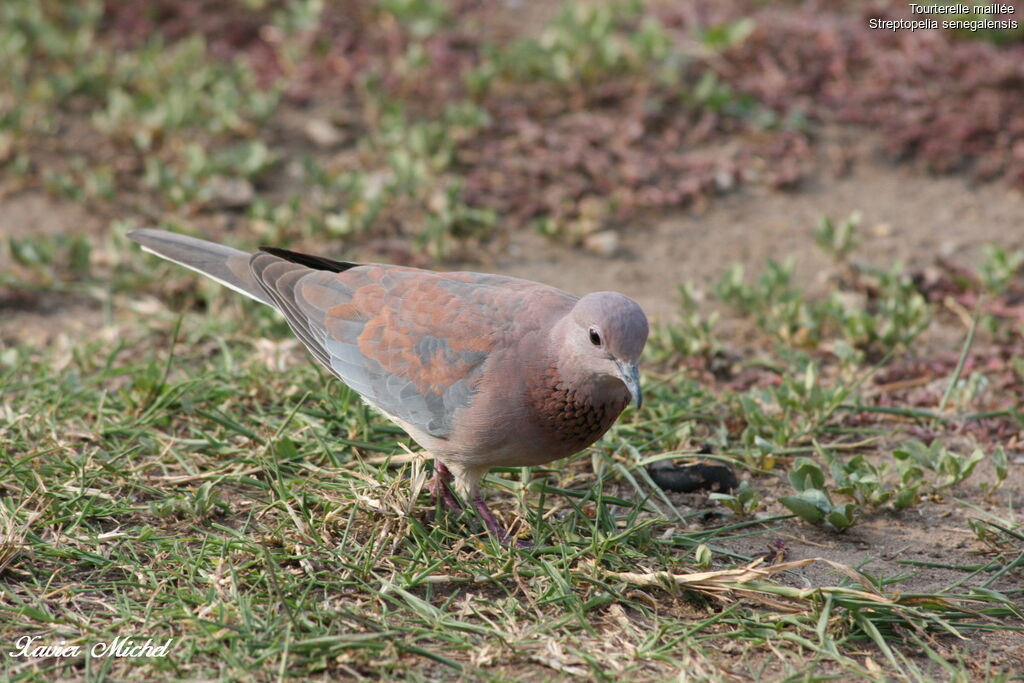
[{"x": 413, "y": 343}]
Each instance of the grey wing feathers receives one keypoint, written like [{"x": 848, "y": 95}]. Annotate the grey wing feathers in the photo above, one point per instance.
[
  {"x": 308, "y": 292},
  {"x": 338, "y": 349},
  {"x": 278, "y": 279},
  {"x": 228, "y": 266}
]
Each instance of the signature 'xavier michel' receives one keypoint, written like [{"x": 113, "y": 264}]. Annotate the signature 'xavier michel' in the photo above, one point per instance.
[{"x": 481, "y": 370}]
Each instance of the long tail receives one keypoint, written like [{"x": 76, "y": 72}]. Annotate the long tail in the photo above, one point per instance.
[{"x": 228, "y": 266}]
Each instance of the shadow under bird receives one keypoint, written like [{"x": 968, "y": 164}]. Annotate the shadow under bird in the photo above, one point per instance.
[{"x": 481, "y": 370}]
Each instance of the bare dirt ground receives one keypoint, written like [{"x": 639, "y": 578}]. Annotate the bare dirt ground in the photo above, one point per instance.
[
  {"x": 39, "y": 317},
  {"x": 907, "y": 216}
]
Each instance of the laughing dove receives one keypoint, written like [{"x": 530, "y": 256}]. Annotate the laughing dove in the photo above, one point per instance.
[{"x": 481, "y": 370}]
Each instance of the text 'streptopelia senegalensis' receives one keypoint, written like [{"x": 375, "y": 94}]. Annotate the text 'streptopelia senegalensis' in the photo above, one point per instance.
[{"x": 480, "y": 370}]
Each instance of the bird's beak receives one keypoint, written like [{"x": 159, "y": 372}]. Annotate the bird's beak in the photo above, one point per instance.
[{"x": 629, "y": 373}]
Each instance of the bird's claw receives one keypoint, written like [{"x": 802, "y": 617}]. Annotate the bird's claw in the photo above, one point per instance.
[
  {"x": 495, "y": 527},
  {"x": 439, "y": 487}
]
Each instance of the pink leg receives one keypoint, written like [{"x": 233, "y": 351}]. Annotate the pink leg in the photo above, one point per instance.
[
  {"x": 493, "y": 525},
  {"x": 439, "y": 486}
]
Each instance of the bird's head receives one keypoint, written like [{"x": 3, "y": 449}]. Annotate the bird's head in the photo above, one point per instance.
[{"x": 604, "y": 336}]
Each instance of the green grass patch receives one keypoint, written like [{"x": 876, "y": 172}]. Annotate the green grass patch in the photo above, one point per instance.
[{"x": 176, "y": 468}]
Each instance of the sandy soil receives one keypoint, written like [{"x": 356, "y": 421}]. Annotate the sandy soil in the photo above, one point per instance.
[{"x": 906, "y": 216}]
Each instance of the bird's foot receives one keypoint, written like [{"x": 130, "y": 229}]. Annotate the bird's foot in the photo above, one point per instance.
[
  {"x": 439, "y": 487},
  {"x": 494, "y": 526}
]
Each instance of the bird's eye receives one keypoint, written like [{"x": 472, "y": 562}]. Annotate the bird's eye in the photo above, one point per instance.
[{"x": 595, "y": 337}]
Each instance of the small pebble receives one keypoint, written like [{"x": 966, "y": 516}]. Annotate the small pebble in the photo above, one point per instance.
[
  {"x": 323, "y": 133},
  {"x": 603, "y": 243},
  {"x": 230, "y": 193}
]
